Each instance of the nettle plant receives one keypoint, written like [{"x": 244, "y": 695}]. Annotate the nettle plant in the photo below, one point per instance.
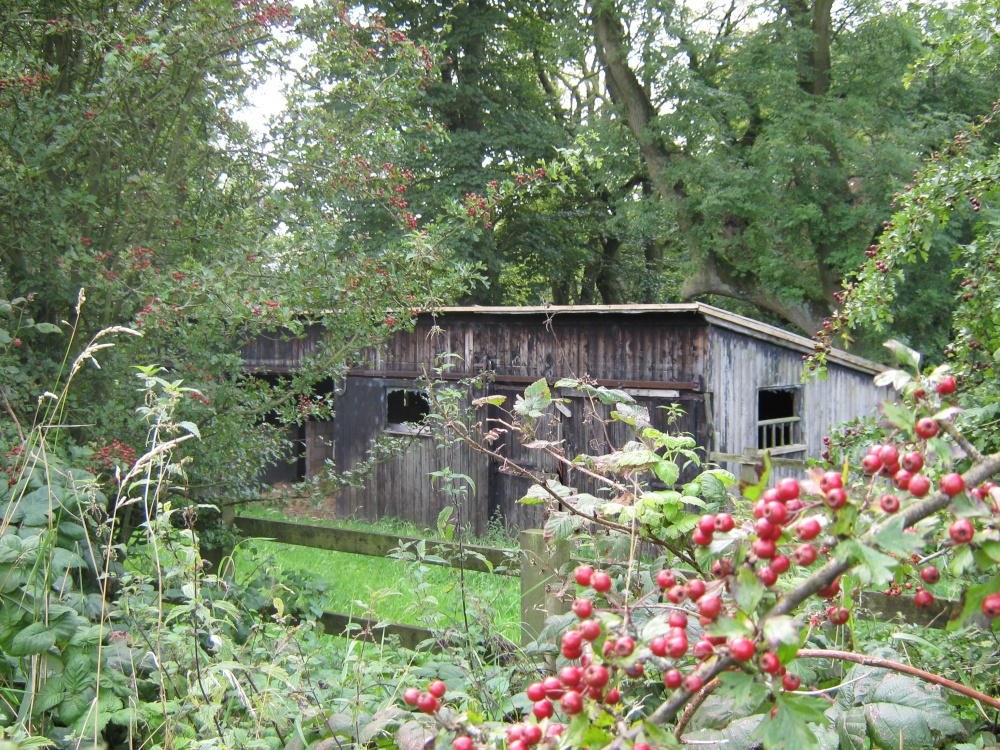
[{"x": 738, "y": 616}]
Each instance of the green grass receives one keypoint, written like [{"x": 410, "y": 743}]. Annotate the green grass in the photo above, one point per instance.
[{"x": 389, "y": 589}]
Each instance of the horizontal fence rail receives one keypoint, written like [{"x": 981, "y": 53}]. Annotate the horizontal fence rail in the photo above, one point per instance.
[{"x": 374, "y": 544}]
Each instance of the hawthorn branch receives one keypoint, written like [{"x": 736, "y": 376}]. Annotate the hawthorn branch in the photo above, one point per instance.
[
  {"x": 978, "y": 473},
  {"x": 694, "y": 705},
  {"x": 970, "y": 450}
]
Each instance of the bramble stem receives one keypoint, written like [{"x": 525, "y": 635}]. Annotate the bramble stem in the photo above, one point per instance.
[{"x": 874, "y": 661}]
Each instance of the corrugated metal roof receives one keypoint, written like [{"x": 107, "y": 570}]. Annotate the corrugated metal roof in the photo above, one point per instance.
[{"x": 712, "y": 315}]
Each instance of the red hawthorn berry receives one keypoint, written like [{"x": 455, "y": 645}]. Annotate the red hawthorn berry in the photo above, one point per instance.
[
  {"x": 672, "y": 678},
  {"x": 808, "y": 528},
  {"x": 839, "y": 615},
  {"x": 532, "y": 734},
  {"x": 764, "y": 528},
  {"x": 677, "y": 620},
  {"x": 666, "y": 579},
  {"x": 535, "y": 692},
  {"x": 601, "y": 581},
  {"x": 571, "y": 703},
  {"x": 952, "y": 484},
  {"x": 962, "y": 531},
  {"x": 677, "y": 593},
  {"x": 871, "y": 464},
  {"x": 553, "y": 687},
  {"x": 701, "y": 538},
  {"x": 410, "y": 696},
  {"x": 707, "y": 524},
  {"x": 741, "y": 649},
  {"x": 614, "y": 696},
  {"x": 776, "y": 513},
  {"x": 724, "y": 522},
  {"x": 828, "y": 592},
  {"x": 722, "y": 568},
  {"x": 462, "y": 742},
  {"x": 947, "y": 386},
  {"x": 920, "y": 485},
  {"x": 695, "y": 589},
  {"x": 788, "y": 488},
  {"x": 764, "y": 548},
  {"x": 835, "y": 498},
  {"x": 428, "y": 703},
  {"x": 889, "y": 503},
  {"x": 589, "y": 629},
  {"x": 640, "y": 746},
  {"x": 677, "y": 647},
  {"x": 570, "y": 676},
  {"x": 791, "y": 682},
  {"x": 926, "y": 428},
  {"x": 779, "y": 564},
  {"x": 693, "y": 683},
  {"x": 572, "y": 639},
  {"x": 583, "y": 608},
  {"x": 709, "y": 606},
  {"x": 913, "y": 462},
  {"x": 437, "y": 688},
  {"x": 542, "y": 709},
  {"x": 658, "y": 646},
  {"x": 767, "y": 576},
  {"x": 624, "y": 646},
  {"x": 583, "y": 575},
  {"x": 991, "y": 606},
  {"x": 830, "y": 480},
  {"x": 901, "y": 479},
  {"x": 923, "y": 599},
  {"x": 889, "y": 454},
  {"x": 596, "y": 675},
  {"x": 804, "y": 555},
  {"x": 769, "y": 663},
  {"x": 930, "y": 575}
]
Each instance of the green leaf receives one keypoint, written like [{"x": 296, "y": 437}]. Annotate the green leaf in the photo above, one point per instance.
[
  {"x": 729, "y": 627},
  {"x": 667, "y": 472},
  {"x": 4, "y": 336},
  {"x": 852, "y": 728},
  {"x": 37, "y": 638},
  {"x": 892, "y": 538},
  {"x": 561, "y": 526},
  {"x": 972, "y": 605},
  {"x": 748, "y": 589},
  {"x": 742, "y": 689},
  {"x": 899, "y": 416},
  {"x": 47, "y": 328},
  {"x": 790, "y": 728},
  {"x": 900, "y": 712},
  {"x": 904, "y": 354},
  {"x": 783, "y": 634},
  {"x": 634, "y": 459},
  {"x": 875, "y": 567}
]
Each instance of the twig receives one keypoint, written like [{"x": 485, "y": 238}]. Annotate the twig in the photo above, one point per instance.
[
  {"x": 875, "y": 661},
  {"x": 700, "y": 697},
  {"x": 963, "y": 442}
]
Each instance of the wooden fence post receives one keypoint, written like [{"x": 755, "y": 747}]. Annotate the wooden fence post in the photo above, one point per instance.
[{"x": 539, "y": 564}]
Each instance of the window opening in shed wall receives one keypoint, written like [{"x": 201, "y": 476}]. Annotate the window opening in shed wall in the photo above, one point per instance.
[
  {"x": 778, "y": 421},
  {"x": 406, "y": 410}
]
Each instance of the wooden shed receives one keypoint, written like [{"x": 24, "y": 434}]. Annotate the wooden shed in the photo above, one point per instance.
[{"x": 737, "y": 381}]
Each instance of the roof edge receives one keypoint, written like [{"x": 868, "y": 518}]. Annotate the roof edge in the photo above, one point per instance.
[{"x": 712, "y": 315}]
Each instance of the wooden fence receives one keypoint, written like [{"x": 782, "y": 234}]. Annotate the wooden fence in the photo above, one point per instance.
[{"x": 534, "y": 562}]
